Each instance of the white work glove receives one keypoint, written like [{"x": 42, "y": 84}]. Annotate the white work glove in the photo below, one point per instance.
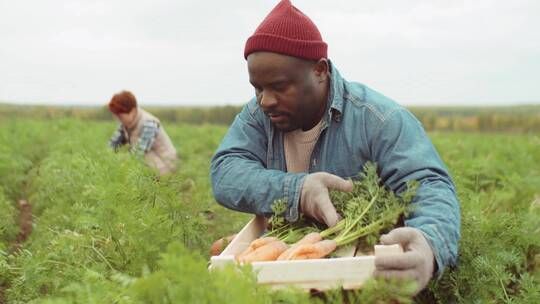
[
  {"x": 315, "y": 198},
  {"x": 416, "y": 262}
]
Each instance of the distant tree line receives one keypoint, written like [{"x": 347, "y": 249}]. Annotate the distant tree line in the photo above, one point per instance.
[
  {"x": 480, "y": 119},
  {"x": 466, "y": 119}
]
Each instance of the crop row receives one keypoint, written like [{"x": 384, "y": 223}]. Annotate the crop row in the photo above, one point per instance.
[{"x": 106, "y": 230}]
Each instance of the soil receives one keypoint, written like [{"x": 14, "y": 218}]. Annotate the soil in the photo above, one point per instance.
[{"x": 25, "y": 224}]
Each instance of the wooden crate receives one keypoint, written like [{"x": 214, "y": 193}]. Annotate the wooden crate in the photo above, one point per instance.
[{"x": 349, "y": 271}]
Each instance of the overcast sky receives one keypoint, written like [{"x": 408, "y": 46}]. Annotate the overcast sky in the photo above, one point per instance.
[{"x": 190, "y": 52}]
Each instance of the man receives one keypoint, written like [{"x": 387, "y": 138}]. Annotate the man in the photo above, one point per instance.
[
  {"x": 308, "y": 129},
  {"x": 143, "y": 132}
]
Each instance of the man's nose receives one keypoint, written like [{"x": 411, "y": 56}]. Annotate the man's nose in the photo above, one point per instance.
[{"x": 268, "y": 100}]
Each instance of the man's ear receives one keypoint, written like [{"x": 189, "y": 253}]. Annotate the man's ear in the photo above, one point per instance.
[{"x": 321, "y": 69}]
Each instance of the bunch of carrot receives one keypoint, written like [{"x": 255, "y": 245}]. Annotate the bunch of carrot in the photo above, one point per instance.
[
  {"x": 367, "y": 211},
  {"x": 311, "y": 246}
]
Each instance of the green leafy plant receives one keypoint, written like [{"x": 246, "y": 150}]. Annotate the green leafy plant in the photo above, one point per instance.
[
  {"x": 367, "y": 211},
  {"x": 106, "y": 231}
]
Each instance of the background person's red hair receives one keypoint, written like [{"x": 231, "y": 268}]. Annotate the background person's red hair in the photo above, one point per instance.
[{"x": 122, "y": 102}]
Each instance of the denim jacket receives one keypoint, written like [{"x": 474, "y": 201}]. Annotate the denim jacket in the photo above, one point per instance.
[{"x": 248, "y": 170}]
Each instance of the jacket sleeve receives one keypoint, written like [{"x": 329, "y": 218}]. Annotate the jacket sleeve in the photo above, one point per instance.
[
  {"x": 118, "y": 139},
  {"x": 404, "y": 152},
  {"x": 239, "y": 171}
]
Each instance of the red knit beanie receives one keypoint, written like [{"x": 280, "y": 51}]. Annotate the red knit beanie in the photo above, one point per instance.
[{"x": 286, "y": 30}]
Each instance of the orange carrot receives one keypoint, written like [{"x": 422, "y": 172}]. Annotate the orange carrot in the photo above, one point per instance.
[
  {"x": 309, "y": 238},
  {"x": 268, "y": 252},
  {"x": 219, "y": 245},
  {"x": 256, "y": 244},
  {"x": 313, "y": 251}
]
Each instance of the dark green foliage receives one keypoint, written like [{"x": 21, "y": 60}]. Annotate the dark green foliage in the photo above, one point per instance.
[
  {"x": 8, "y": 225},
  {"x": 369, "y": 210},
  {"x": 8, "y": 232},
  {"x": 287, "y": 231},
  {"x": 100, "y": 212},
  {"x": 500, "y": 222}
]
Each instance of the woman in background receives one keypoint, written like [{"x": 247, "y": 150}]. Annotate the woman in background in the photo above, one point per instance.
[{"x": 143, "y": 132}]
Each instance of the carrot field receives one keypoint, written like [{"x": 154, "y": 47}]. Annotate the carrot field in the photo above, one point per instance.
[{"x": 104, "y": 229}]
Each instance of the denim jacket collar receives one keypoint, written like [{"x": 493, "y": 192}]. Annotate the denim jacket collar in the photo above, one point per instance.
[{"x": 335, "y": 94}]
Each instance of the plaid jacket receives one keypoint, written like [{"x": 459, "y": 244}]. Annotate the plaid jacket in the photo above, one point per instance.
[
  {"x": 148, "y": 140},
  {"x": 144, "y": 143}
]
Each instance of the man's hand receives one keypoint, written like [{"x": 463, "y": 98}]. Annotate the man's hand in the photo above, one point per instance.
[
  {"x": 315, "y": 199},
  {"x": 416, "y": 263}
]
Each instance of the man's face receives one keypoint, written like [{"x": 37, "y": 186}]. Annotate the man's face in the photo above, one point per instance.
[{"x": 288, "y": 89}]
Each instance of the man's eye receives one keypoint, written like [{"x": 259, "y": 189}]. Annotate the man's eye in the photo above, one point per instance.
[{"x": 280, "y": 87}]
